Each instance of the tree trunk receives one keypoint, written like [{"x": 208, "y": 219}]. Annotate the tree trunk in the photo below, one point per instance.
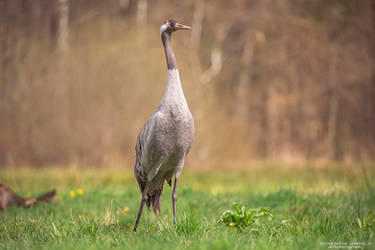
[
  {"x": 63, "y": 28},
  {"x": 196, "y": 36},
  {"x": 216, "y": 56},
  {"x": 244, "y": 82},
  {"x": 142, "y": 7},
  {"x": 333, "y": 111}
]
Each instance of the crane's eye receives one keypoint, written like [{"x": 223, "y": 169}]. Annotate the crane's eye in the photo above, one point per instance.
[{"x": 172, "y": 24}]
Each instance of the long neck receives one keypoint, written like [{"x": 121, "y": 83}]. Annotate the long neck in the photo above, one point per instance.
[
  {"x": 173, "y": 94},
  {"x": 169, "y": 54}
]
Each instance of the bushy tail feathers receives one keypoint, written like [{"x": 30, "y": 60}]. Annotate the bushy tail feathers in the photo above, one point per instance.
[{"x": 155, "y": 201}]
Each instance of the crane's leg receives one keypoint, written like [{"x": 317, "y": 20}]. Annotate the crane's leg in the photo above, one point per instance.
[
  {"x": 144, "y": 199},
  {"x": 174, "y": 198}
]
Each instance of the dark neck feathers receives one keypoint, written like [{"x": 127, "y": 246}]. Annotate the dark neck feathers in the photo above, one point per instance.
[{"x": 169, "y": 54}]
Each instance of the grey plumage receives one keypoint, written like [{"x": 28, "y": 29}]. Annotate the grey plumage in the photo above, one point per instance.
[
  {"x": 166, "y": 138},
  {"x": 164, "y": 141}
]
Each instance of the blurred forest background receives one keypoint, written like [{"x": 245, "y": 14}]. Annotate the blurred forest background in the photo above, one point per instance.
[{"x": 290, "y": 81}]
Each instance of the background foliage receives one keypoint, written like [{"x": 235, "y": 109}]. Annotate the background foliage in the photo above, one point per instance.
[{"x": 278, "y": 80}]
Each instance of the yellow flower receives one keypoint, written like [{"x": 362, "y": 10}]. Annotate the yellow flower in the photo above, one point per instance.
[
  {"x": 126, "y": 209},
  {"x": 248, "y": 222},
  {"x": 231, "y": 224},
  {"x": 72, "y": 193},
  {"x": 80, "y": 191}
]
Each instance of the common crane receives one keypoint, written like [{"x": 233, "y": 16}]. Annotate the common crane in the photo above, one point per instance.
[{"x": 166, "y": 138}]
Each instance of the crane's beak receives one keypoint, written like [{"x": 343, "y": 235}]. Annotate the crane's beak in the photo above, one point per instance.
[{"x": 182, "y": 27}]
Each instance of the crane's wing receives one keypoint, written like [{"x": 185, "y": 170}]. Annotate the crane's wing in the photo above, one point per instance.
[{"x": 151, "y": 149}]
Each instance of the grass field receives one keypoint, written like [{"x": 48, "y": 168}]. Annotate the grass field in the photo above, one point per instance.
[{"x": 313, "y": 209}]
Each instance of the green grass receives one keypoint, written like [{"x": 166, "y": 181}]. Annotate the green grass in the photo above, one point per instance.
[{"x": 310, "y": 208}]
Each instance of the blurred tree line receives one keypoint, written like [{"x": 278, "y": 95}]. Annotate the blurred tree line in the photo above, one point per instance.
[{"x": 285, "y": 80}]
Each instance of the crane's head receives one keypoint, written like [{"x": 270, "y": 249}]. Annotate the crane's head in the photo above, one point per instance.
[{"x": 170, "y": 25}]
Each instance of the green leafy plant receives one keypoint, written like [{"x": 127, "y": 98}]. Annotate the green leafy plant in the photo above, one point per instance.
[{"x": 242, "y": 217}]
